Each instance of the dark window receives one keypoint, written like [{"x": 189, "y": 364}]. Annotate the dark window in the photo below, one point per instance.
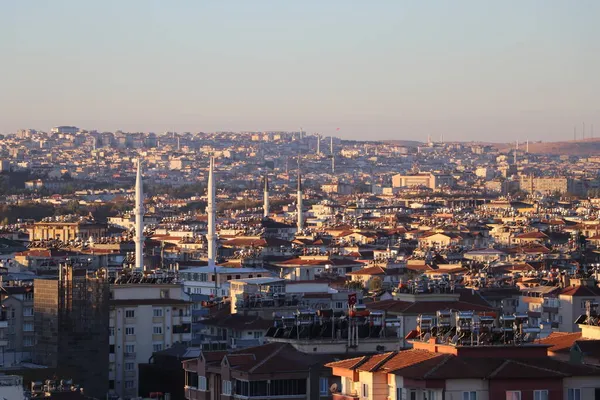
[{"x": 111, "y": 349}]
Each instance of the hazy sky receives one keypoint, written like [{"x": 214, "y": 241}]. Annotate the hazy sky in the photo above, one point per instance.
[{"x": 471, "y": 70}]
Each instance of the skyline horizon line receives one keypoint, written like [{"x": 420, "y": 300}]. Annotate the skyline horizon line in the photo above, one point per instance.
[{"x": 576, "y": 135}]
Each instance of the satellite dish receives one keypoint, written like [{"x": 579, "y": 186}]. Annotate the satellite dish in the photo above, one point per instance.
[{"x": 333, "y": 388}]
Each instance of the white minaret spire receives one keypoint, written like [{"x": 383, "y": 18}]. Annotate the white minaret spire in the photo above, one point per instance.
[
  {"x": 266, "y": 197},
  {"x": 332, "y": 155},
  {"x": 139, "y": 218},
  {"x": 211, "y": 210},
  {"x": 299, "y": 205}
]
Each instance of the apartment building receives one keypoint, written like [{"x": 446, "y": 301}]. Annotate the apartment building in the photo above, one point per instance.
[
  {"x": 18, "y": 304},
  {"x": 146, "y": 316},
  {"x": 271, "y": 371}
]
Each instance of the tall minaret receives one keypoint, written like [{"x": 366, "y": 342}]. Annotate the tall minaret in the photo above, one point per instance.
[
  {"x": 211, "y": 210},
  {"x": 332, "y": 156},
  {"x": 319, "y": 144},
  {"x": 139, "y": 219},
  {"x": 299, "y": 204},
  {"x": 266, "y": 197}
]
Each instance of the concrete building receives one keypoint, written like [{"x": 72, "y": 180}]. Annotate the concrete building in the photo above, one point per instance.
[
  {"x": 145, "y": 317},
  {"x": 70, "y": 324},
  {"x": 67, "y": 228},
  {"x": 426, "y": 179},
  {"x": 18, "y": 304}
]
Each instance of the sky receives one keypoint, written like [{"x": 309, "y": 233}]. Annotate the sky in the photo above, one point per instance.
[{"x": 465, "y": 69}]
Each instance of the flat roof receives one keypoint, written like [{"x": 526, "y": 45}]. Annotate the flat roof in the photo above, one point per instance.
[{"x": 258, "y": 281}]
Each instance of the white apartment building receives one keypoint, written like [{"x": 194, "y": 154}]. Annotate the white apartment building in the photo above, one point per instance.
[
  {"x": 144, "y": 318},
  {"x": 204, "y": 280}
]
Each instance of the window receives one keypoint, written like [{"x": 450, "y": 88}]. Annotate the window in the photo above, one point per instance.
[
  {"x": 130, "y": 330},
  {"x": 227, "y": 388},
  {"x": 157, "y": 330},
  {"x": 129, "y": 348},
  {"x": 513, "y": 395},
  {"x": 469, "y": 395},
  {"x": 129, "y": 313},
  {"x": 323, "y": 386},
  {"x": 202, "y": 383},
  {"x": 129, "y": 366},
  {"x": 164, "y": 293},
  {"x": 157, "y": 312},
  {"x": 540, "y": 395},
  {"x": 111, "y": 331},
  {"x": 157, "y": 347},
  {"x": 203, "y": 277},
  {"x": 128, "y": 384},
  {"x": 584, "y": 301},
  {"x": 257, "y": 335},
  {"x": 339, "y": 304},
  {"x": 365, "y": 390},
  {"x": 573, "y": 394},
  {"x": 27, "y": 341},
  {"x": 430, "y": 395},
  {"x": 27, "y": 312},
  {"x": 28, "y": 327}
]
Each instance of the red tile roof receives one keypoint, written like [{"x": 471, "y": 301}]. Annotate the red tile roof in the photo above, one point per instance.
[
  {"x": 577, "y": 291},
  {"x": 561, "y": 341}
]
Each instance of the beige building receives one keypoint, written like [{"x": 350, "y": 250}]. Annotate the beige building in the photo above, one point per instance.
[
  {"x": 427, "y": 179},
  {"x": 544, "y": 185},
  {"x": 144, "y": 318},
  {"x": 68, "y": 228}
]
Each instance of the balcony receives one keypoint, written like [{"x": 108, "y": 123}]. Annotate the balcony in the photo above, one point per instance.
[
  {"x": 192, "y": 393},
  {"x": 129, "y": 356},
  {"x": 551, "y": 305},
  {"x": 342, "y": 396}
]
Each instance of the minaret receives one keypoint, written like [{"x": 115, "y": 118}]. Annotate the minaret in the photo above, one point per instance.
[
  {"x": 139, "y": 219},
  {"x": 332, "y": 156},
  {"x": 266, "y": 197},
  {"x": 299, "y": 204},
  {"x": 319, "y": 144},
  {"x": 211, "y": 210}
]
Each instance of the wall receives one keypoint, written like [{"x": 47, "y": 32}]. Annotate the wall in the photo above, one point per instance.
[{"x": 456, "y": 387}]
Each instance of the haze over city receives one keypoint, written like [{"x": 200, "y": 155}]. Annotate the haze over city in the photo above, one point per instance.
[{"x": 468, "y": 70}]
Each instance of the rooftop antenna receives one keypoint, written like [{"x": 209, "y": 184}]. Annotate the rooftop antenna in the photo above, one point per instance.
[{"x": 527, "y": 146}]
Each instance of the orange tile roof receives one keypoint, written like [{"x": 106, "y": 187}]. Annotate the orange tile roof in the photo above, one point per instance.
[{"x": 561, "y": 341}]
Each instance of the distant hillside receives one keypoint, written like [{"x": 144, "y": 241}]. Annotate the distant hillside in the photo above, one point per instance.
[
  {"x": 405, "y": 143},
  {"x": 571, "y": 148}
]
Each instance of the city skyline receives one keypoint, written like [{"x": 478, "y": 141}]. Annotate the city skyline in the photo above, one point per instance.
[{"x": 388, "y": 71}]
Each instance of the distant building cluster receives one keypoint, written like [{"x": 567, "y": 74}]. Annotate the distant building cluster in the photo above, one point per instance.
[{"x": 269, "y": 265}]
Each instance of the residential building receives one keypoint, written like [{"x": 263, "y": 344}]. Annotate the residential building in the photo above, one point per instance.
[
  {"x": 71, "y": 325},
  {"x": 147, "y": 314}
]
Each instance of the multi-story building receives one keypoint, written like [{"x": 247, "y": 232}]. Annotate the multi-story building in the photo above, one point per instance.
[
  {"x": 18, "y": 304},
  {"x": 426, "y": 179},
  {"x": 272, "y": 371},
  {"x": 146, "y": 316},
  {"x": 572, "y": 302},
  {"x": 472, "y": 365},
  {"x": 530, "y": 184},
  {"x": 71, "y": 325},
  {"x": 67, "y": 228}
]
